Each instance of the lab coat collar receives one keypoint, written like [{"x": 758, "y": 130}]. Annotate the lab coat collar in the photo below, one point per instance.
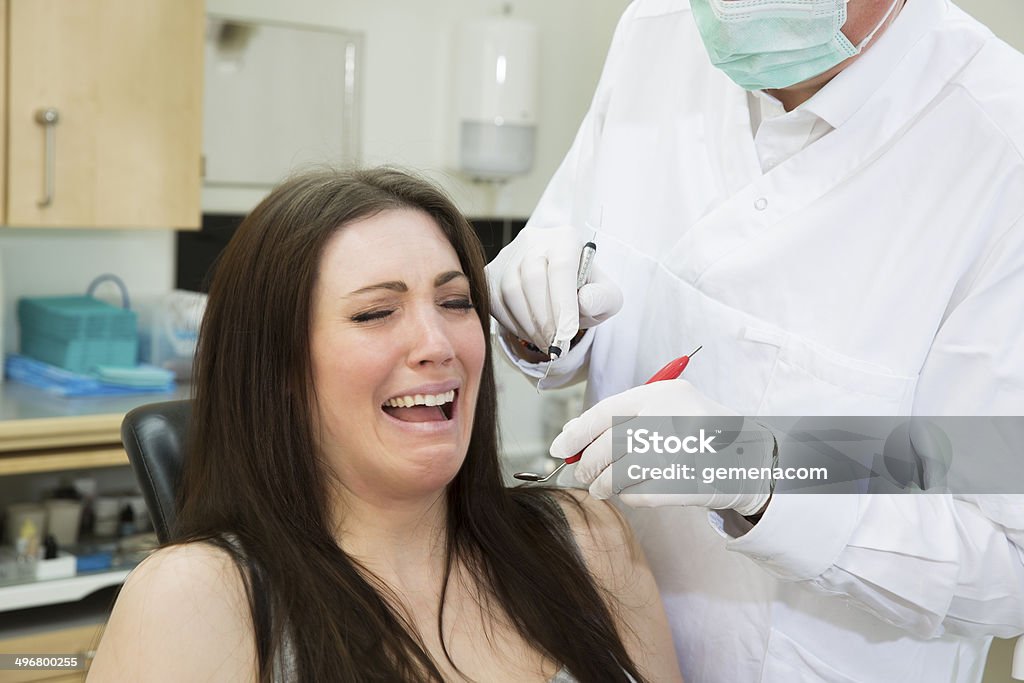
[{"x": 853, "y": 86}]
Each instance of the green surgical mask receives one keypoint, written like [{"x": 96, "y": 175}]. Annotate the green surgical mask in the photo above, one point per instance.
[{"x": 767, "y": 44}]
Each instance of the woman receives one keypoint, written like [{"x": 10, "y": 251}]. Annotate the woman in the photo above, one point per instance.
[{"x": 343, "y": 514}]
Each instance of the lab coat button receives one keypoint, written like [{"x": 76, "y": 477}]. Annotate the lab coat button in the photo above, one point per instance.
[{"x": 761, "y": 203}]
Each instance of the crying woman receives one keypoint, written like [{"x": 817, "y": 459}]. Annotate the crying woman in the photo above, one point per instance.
[{"x": 343, "y": 516}]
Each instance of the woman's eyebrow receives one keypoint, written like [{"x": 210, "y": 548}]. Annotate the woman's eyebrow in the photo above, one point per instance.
[
  {"x": 390, "y": 286},
  {"x": 401, "y": 287},
  {"x": 445, "y": 278}
]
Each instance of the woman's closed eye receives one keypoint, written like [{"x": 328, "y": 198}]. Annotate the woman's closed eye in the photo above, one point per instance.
[
  {"x": 459, "y": 304},
  {"x": 370, "y": 316}
]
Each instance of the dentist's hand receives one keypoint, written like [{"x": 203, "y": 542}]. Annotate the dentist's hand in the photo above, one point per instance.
[
  {"x": 674, "y": 398},
  {"x": 532, "y": 283}
]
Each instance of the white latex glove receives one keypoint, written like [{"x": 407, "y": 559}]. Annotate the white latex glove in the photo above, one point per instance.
[
  {"x": 532, "y": 283},
  {"x": 672, "y": 397}
]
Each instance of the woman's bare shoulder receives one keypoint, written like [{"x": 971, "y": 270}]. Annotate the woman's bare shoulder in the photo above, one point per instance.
[
  {"x": 618, "y": 565},
  {"x": 175, "y": 576},
  {"x": 601, "y": 532},
  {"x": 182, "y": 614}
]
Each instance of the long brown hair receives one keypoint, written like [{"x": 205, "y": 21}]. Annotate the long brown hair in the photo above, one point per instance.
[{"x": 253, "y": 473}]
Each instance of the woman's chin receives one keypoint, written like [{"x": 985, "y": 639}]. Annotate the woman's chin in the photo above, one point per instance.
[{"x": 430, "y": 471}]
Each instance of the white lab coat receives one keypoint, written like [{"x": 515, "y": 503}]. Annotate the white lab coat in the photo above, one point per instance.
[{"x": 880, "y": 270}]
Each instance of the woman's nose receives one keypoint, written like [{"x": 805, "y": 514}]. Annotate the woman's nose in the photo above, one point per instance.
[{"x": 430, "y": 343}]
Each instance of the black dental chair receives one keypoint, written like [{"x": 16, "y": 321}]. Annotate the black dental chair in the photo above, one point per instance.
[{"x": 154, "y": 436}]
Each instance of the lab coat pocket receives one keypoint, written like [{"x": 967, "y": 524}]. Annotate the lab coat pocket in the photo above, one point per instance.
[
  {"x": 788, "y": 662},
  {"x": 810, "y": 379}
]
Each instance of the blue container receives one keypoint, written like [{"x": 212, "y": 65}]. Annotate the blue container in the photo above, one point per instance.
[
  {"x": 77, "y": 332},
  {"x": 94, "y": 562}
]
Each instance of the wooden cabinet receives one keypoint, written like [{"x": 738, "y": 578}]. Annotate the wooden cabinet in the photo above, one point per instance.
[{"x": 125, "y": 79}]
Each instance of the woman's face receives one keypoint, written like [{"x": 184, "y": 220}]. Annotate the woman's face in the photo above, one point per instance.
[{"x": 397, "y": 352}]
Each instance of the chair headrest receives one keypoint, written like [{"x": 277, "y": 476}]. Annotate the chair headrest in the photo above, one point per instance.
[{"x": 155, "y": 435}]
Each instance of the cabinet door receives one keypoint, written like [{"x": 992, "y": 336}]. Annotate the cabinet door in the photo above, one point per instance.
[
  {"x": 3, "y": 111},
  {"x": 125, "y": 78}
]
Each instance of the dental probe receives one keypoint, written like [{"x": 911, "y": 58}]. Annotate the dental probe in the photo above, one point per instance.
[
  {"x": 671, "y": 371},
  {"x": 582, "y": 276}
]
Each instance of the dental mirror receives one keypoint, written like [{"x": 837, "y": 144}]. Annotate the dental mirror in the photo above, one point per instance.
[{"x": 533, "y": 476}]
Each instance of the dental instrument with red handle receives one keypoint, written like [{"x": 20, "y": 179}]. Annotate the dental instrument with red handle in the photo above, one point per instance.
[{"x": 672, "y": 370}]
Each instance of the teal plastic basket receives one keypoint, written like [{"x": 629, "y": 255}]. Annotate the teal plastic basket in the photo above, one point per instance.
[{"x": 77, "y": 332}]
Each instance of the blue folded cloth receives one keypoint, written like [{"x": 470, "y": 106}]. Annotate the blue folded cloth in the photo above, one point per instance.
[
  {"x": 143, "y": 379},
  {"x": 137, "y": 377}
]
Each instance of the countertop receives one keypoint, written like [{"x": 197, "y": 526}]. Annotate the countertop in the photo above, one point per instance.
[{"x": 41, "y": 432}]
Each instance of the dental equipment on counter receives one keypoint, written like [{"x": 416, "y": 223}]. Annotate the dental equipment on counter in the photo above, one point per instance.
[{"x": 672, "y": 370}]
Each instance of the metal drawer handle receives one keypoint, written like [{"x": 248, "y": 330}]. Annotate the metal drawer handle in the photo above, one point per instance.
[{"x": 48, "y": 118}]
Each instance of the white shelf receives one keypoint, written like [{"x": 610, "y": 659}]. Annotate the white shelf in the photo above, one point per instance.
[{"x": 54, "y": 591}]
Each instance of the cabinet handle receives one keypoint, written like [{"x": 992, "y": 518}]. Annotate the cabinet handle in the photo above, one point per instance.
[{"x": 48, "y": 119}]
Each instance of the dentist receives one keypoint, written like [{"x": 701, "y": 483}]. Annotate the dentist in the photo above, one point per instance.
[{"x": 829, "y": 197}]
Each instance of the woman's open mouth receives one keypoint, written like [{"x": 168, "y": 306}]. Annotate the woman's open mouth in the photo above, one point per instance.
[{"x": 422, "y": 407}]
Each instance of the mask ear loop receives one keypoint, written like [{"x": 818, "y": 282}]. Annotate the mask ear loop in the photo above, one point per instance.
[{"x": 877, "y": 28}]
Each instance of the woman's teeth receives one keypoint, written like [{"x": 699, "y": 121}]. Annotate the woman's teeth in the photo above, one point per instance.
[{"x": 421, "y": 400}]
